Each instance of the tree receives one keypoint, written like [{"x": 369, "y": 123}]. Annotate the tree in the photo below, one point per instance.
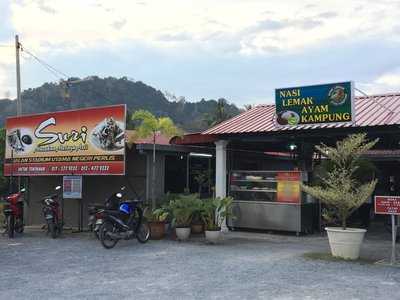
[
  {"x": 248, "y": 106},
  {"x": 340, "y": 189},
  {"x": 220, "y": 113},
  {"x": 150, "y": 126}
]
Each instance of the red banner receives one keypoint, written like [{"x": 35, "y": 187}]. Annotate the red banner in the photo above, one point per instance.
[
  {"x": 387, "y": 205},
  {"x": 288, "y": 187},
  {"x": 76, "y": 142}
]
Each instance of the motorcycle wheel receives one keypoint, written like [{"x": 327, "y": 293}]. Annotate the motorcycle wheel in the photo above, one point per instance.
[
  {"x": 105, "y": 239},
  {"x": 10, "y": 226},
  {"x": 143, "y": 233},
  {"x": 52, "y": 229}
]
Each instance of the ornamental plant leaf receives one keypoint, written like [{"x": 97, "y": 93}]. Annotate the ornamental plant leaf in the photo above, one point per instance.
[{"x": 339, "y": 189}]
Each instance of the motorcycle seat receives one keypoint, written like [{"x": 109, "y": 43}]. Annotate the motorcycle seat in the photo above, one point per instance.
[{"x": 50, "y": 196}]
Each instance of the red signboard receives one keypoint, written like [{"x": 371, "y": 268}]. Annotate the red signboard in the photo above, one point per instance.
[
  {"x": 76, "y": 142},
  {"x": 288, "y": 187},
  {"x": 387, "y": 205}
]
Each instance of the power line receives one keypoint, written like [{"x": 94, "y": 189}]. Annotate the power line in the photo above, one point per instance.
[
  {"x": 49, "y": 67},
  {"x": 373, "y": 99},
  {"x": 56, "y": 72}
]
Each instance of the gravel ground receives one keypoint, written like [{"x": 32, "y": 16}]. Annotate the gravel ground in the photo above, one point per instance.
[{"x": 244, "y": 266}]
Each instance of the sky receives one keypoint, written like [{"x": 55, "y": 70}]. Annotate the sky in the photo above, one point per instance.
[{"x": 241, "y": 50}]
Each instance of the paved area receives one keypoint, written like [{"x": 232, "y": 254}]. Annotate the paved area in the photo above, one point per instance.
[{"x": 244, "y": 266}]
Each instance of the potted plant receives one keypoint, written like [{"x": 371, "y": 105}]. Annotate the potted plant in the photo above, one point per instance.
[
  {"x": 342, "y": 193},
  {"x": 197, "y": 224},
  {"x": 214, "y": 212},
  {"x": 156, "y": 221},
  {"x": 182, "y": 210}
]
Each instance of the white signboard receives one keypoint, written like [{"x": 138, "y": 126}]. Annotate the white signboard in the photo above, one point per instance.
[{"x": 72, "y": 187}]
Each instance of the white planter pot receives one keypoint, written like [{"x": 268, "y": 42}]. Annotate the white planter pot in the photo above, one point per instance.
[
  {"x": 182, "y": 233},
  {"x": 345, "y": 243},
  {"x": 213, "y": 236}
]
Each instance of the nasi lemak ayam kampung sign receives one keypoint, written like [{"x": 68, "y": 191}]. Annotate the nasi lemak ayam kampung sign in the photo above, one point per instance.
[
  {"x": 76, "y": 142},
  {"x": 325, "y": 103}
]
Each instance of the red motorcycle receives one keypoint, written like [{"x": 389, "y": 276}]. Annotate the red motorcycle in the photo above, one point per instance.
[
  {"x": 52, "y": 213},
  {"x": 14, "y": 213}
]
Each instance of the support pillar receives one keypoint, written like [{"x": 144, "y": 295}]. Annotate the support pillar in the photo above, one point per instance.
[{"x": 220, "y": 173}]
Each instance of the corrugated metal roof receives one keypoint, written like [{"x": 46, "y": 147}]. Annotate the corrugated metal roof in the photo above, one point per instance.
[{"x": 377, "y": 110}]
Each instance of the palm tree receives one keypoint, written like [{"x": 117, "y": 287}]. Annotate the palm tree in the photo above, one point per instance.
[
  {"x": 219, "y": 115},
  {"x": 150, "y": 126},
  {"x": 248, "y": 106}
]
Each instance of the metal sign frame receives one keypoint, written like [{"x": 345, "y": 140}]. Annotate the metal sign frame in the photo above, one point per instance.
[{"x": 394, "y": 226}]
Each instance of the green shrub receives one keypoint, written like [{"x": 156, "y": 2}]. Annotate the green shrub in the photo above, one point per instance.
[
  {"x": 215, "y": 211},
  {"x": 343, "y": 188}
]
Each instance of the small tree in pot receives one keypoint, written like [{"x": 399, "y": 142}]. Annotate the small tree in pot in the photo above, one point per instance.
[
  {"x": 342, "y": 193},
  {"x": 214, "y": 212}
]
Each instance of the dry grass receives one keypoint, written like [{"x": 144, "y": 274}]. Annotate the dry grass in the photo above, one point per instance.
[{"x": 329, "y": 257}]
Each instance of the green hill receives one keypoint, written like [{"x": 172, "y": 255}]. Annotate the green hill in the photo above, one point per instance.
[{"x": 191, "y": 116}]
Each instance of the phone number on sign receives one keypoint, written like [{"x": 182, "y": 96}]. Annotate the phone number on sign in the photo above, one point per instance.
[{"x": 79, "y": 168}]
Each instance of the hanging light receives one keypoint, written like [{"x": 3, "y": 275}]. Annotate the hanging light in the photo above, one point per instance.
[{"x": 292, "y": 146}]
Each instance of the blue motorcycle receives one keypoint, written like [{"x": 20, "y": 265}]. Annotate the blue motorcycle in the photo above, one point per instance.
[{"x": 125, "y": 223}]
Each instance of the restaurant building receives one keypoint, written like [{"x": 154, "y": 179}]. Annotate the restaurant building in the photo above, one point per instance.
[{"x": 261, "y": 164}]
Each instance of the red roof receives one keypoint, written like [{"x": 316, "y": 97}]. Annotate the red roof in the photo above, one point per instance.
[
  {"x": 193, "y": 138},
  {"x": 374, "y": 110}
]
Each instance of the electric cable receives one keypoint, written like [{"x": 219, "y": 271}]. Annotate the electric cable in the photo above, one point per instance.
[
  {"x": 372, "y": 98},
  {"x": 43, "y": 63},
  {"x": 56, "y": 72}
]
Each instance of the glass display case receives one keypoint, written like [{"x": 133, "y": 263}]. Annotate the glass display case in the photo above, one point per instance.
[
  {"x": 270, "y": 200},
  {"x": 253, "y": 186}
]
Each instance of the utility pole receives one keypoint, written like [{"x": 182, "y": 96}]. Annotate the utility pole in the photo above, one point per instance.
[
  {"x": 19, "y": 104},
  {"x": 17, "y": 48}
]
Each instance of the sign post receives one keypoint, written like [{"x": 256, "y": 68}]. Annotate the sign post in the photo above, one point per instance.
[
  {"x": 394, "y": 234},
  {"x": 389, "y": 205}
]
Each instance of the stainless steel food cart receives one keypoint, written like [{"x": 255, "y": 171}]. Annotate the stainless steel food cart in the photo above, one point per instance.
[{"x": 260, "y": 201}]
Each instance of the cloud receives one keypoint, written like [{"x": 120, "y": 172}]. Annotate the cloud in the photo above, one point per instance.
[
  {"x": 327, "y": 15},
  {"x": 271, "y": 25},
  {"x": 177, "y": 37},
  {"x": 257, "y": 25},
  {"x": 390, "y": 79},
  {"x": 45, "y": 7},
  {"x": 119, "y": 24},
  {"x": 226, "y": 42}
]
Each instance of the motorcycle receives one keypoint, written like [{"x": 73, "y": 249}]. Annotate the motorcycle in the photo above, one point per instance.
[
  {"x": 52, "y": 214},
  {"x": 14, "y": 213},
  {"x": 96, "y": 211},
  {"x": 125, "y": 223}
]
